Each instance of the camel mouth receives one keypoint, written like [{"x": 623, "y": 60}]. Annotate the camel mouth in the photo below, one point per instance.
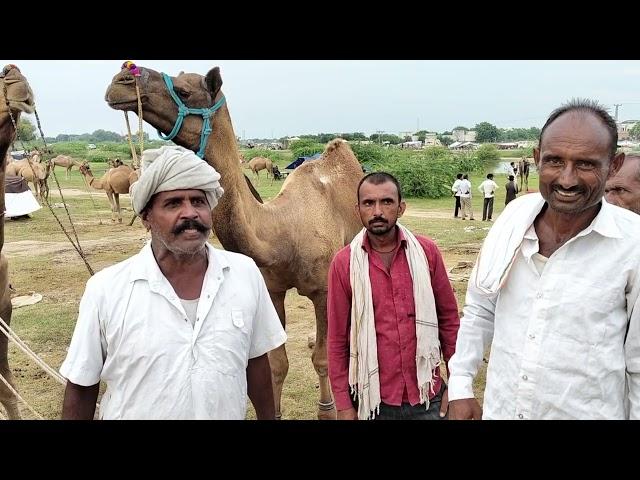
[{"x": 124, "y": 104}]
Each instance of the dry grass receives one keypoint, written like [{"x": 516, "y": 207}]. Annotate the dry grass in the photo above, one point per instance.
[{"x": 42, "y": 260}]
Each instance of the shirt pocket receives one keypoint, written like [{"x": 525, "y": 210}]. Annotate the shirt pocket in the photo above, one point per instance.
[
  {"x": 230, "y": 342},
  {"x": 584, "y": 310}
]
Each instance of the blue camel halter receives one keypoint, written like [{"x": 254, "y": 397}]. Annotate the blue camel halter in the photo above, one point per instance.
[{"x": 183, "y": 111}]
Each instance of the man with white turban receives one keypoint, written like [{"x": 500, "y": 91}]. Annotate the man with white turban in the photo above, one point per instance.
[{"x": 180, "y": 330}]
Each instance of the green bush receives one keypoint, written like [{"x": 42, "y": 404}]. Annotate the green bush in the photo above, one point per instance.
[
  {"x": 487, "y": 153},
  {"x": 305, "y": 148},
  {"x": 368, "y": 153}
]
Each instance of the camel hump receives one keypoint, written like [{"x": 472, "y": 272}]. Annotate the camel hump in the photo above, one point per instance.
[{"x": 335, "y": 145}]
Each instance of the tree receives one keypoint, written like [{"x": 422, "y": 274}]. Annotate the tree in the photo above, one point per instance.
[
  {"x": 422, "y": 134},
  {"x": 26, "y": 130},
  {"x": 446, "y": 141},
  {"x": 461, "y": 128},
  {"x": 635, "y": 132},
  {"x": 486, "y": 132}
]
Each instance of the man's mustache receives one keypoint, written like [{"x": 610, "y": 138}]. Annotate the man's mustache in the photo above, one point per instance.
[
  {"x": 377, "y": 219},
  {"x": 190, "y": 224}
]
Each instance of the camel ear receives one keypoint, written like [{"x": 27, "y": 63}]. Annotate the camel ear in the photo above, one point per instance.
[{"x": 213, "y": 81}]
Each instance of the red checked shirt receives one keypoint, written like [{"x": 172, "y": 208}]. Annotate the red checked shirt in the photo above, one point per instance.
[{"x": 395, "y": 315}]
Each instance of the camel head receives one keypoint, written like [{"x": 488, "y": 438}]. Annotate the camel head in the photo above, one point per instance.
[
  {"x": 159, "y": 108},
  {"x": 85, "y": 169},
  {"x": 18, "y": 91}
]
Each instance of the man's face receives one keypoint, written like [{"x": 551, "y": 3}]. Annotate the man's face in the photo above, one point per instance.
[
  {"x": 574, "y": 162},
  {"x": 624, "y": 188},
  {"x": 180, "y": 220},
  {"x": 378, "y": 207}
]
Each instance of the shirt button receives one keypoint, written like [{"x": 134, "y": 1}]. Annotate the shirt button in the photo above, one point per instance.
[
  {"x": 539, "y": 295},
  {"x": 520, "y": 416},
  {"x": 524, "y": 377}
]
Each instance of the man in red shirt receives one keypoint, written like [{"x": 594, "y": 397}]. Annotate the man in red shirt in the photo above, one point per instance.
[{"x": 391, "y": 313}]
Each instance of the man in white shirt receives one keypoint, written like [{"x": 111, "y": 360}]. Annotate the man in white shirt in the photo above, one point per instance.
[
  {"x": 180, "y": 330},
  {"x": 555, "y": 289},
  {"x": 488, "y": 189},
  {"x": 465, "y": 197}
]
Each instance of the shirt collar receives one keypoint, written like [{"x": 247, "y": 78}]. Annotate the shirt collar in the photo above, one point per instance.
[{"x": 604, "y": 223}]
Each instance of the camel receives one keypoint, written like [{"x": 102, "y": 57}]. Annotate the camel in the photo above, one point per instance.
[
  {"x": 114, "y": 162},
  {"x": 17, "y": 91},
  {"x": 66, "y": 162},
  {"x": 293, "y": 237},
  {"x": 114, "y": 182},
  {"x": 258, "y": 163},
  {"x": 523, "y": 171}
]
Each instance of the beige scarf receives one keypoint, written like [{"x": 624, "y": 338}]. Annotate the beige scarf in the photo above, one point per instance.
[
  {"x": 502, "y": 244},
  {"x": 364, "y": 379}
]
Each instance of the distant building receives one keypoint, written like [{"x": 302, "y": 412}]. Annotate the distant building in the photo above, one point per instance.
[
  {"x": 464, "y": 146},
  {"x": 625, "y": 127},
  {"x": 460, "y": 135},
  {"x": 431, "y": 140}
]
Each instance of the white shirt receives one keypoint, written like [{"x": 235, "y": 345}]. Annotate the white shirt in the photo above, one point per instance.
[
  {"x": 510, "y": 171},
  {"x": 488, "y": 187},
  {"x": 133, "y": 333},
  {"x": 559, "y": 349},
  {"x": 465, "y": 188},
  {"x": 455, "y": 188}
]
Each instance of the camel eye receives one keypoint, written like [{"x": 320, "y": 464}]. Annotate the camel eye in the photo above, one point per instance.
[{"x": 183, "y": 93}]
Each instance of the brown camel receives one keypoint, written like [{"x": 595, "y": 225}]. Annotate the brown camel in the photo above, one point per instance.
[
  {"x": 114, "y": 182},
  {"x": 66, "y": 162},
  {"x": 20, "y": 97},
  {"x": 523, "y": 171},
  {"x": 259, "y": 163},
  {"x": 293, "y": 237}
]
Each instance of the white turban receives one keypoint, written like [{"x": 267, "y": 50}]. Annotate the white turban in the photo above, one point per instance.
[{"x": 174, "y": 168}]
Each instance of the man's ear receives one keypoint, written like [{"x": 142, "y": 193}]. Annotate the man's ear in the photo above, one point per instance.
[
  {"x": 536, "y": 157},
  {"x": 616, "y": 163},
  {"x": 401, "y": 208}
]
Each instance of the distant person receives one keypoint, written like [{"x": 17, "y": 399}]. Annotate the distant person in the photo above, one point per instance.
[
  {"x": 465, "y": 197},
  {"x": 455, "y": 188},
  {"x": 512, "y": 189},
  {"x": 624, "y": 188},
  {"x": 488, "y": 189},
  {"x": 511, "y": 169}
]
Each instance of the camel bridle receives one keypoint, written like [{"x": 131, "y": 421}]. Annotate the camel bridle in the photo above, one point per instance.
[{"x": 183, "y": 111}]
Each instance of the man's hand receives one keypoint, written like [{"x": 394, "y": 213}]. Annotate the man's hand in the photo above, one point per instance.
[
  {"x": 464, "y": 409},
  {"x": 444, "y": 405},
  {"x": 349, "y": 414}
]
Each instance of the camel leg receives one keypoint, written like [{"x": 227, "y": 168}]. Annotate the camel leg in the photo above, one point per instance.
[
  {"x": 35, "y": 187},
  {"x": 113, "y": 207},
  {"x": 67, "y": 173},
  {"x": 8, "y": 400},
  {"x": 278, "y": 357},
  {"x": 117, "y": 199},
  {"x": 326, "y": 405}
]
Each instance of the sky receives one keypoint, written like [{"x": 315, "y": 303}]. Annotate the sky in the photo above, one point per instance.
[{"x": 273, "y": 99}]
